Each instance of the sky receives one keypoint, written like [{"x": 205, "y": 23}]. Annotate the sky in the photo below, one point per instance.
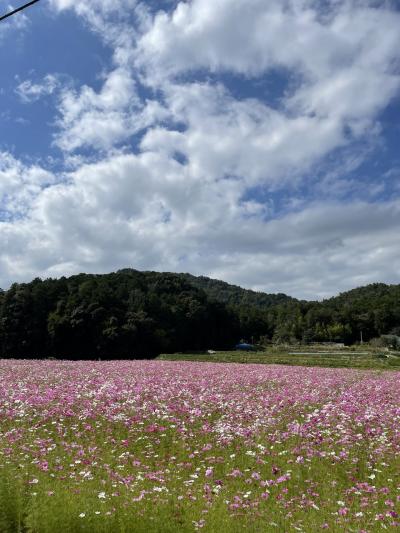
[{"x": 250, "y": 141}]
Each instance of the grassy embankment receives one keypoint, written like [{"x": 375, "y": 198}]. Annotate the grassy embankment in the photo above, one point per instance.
[{"x": 332, "y": 358}]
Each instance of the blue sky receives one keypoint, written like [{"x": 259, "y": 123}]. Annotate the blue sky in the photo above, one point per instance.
[
  {"x": 249, "y": 141},
  {"x": 49, "y": 43}
]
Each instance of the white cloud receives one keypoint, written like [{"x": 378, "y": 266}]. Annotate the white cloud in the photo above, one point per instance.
[
  {"x": 182, "y": 201},
  {"x": 105, "y": 118},
  {"x": 325, "y": 249},
  {"x": 99, "y": 119},
  {"x": 148, "y": 212},
  {"x": 342, "y": 82},
  {"x": 30, "y": 92},
  {"x": 245, "y": 139},
  {"x": 345, "y": 62},
  {"x": 20, "y": 184},
  {"x": 250, "y": 37}
]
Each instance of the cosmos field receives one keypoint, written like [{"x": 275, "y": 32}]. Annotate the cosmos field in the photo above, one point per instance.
[{"x": 145, "y": 446}]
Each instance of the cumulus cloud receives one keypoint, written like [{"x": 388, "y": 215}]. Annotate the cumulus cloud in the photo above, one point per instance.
[
  {"x": 250, "y": 37},
  {"x": 105, "y": 118},
  {"x": 19, "y": 185},
  {"x": 180, "y": 197},
  {"x": 344, "y": 63},
  {"x": 157, "y": 215},
  {"x": 342, "y": 82},
  {"x": 246, "y": 139},
  {"x": 98, "y": 119},
  {"x": 323, "y": 249}
]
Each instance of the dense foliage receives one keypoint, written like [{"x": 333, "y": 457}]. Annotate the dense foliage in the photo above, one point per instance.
[
  {"x": 234, "y": 295},
  {"x": 140, "y": 314},
  {"x": 360, "y": 314},
  {"x": 124, "y": 314}
]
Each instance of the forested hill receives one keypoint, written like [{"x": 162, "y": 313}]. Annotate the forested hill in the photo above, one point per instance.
[
  {"x": 370, "y": 311},
  {"x": 140, "y": 314},
  {"x": 376, "y": 293},
  {"x": 373, "y": 309},
  {"x": 123, "y": 314},
  {"x": 234, "y": 295}
]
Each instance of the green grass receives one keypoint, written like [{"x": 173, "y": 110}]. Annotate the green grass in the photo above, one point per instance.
[
  {"x": 28, "y": 508},
  {"x": 347, "y": 359}
]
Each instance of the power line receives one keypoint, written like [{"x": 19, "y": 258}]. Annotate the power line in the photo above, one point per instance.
[{"x": 18, "y": 9}]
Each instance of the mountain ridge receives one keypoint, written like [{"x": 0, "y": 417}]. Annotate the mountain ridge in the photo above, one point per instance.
[{"x": 132, "y": 313}]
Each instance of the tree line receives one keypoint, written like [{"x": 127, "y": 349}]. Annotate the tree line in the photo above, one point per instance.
[
  {"x": 361, "y": 314},
  {"x": 140, "y": 314},
  {"x": 118, "y": 315}
]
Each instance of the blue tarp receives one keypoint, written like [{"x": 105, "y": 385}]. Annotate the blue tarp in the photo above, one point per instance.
[{"x": 244, "y": 346}]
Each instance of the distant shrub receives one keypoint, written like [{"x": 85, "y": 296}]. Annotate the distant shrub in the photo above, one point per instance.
[{"x": 390, "y": 341}]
